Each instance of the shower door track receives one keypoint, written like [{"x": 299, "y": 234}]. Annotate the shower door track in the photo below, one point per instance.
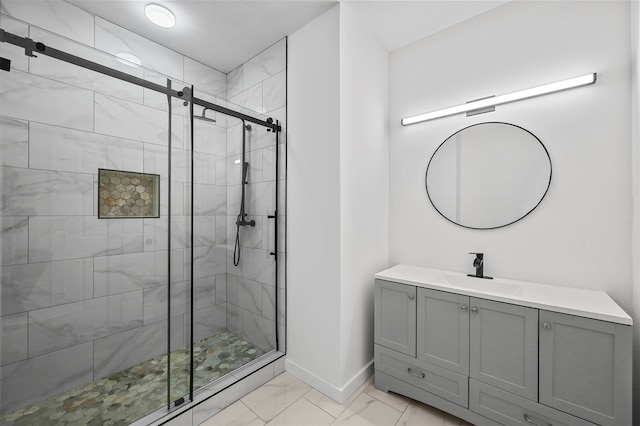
[{"x": 185, "y": 94}]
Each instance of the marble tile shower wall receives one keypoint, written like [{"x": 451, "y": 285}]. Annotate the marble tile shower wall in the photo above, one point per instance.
[
  {"x": 81, "y": 297},
  {"x": 257, "y": 85}
]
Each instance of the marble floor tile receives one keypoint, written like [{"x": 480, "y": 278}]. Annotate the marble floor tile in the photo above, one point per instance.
[
  {"x": 329, "y": 405},
  {"x": 302, "y": 413},
  {"x": 393, "y": 400},
  {"x": 418, "y": 414},
  {"x": 368, "y": 411},
  {"x": 315, "y": 409},
  {"x": 237, "y": 414},
  {"x": 274, "y": 397}
]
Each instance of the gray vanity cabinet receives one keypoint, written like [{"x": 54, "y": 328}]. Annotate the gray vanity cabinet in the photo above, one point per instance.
[
  {"x": 585, "y": 367},
  {"x": 395, "y": 319},
  {"x": 443, "y": 329},
  {"x": 504, "y": 346},
  {"x": 495, "y": 359}
]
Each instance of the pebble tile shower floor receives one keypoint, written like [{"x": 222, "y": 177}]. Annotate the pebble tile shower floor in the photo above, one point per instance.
[{"x": 129, "y": 395}]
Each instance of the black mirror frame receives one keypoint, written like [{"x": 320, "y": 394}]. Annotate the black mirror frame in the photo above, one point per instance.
[{"x": 506, "y": 224}]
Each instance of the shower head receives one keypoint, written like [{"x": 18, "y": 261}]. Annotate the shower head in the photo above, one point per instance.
[{"x": 203, "y": 117}]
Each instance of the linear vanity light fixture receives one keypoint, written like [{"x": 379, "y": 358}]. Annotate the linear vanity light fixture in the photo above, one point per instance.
[{"x": 503, "y": 99}]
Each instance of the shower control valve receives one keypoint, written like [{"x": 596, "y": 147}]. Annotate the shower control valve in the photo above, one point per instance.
[{"x": 242, "y": 222}]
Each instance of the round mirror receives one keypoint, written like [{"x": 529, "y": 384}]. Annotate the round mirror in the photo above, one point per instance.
[{"x": 488, "y": 175}]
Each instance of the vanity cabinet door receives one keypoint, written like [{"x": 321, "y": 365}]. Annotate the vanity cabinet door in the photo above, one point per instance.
[
  {"x": 395, "y": 316},
  {"x": 585, "y": 367},
  {"x": 504, "y": 346},
  {"x": 443, "y": 329}
]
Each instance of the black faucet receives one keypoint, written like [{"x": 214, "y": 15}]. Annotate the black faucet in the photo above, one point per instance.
[{"x": 478, "y": 263}]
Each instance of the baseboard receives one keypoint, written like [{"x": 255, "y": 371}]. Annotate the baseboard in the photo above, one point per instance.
[{"x": 338, "y": 394}]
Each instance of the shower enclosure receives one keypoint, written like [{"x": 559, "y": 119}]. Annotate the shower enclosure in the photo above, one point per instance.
[{"x": 140, "y": 231}]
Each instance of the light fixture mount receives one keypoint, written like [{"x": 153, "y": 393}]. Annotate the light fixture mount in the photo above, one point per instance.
[
  {"x": 160, "y": 15},
  {"x": 483, "y": 104}
]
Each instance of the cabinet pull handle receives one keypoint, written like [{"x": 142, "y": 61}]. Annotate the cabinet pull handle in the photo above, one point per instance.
[
  {"x": 474, "y": 310},
  {"x": 464, "y": 308},
  {"x": 411, "y": 296},
  {"x": 546, "y": 325},
  {"x": 420, "y": 374},
  {"x": 528, "y": 419}
]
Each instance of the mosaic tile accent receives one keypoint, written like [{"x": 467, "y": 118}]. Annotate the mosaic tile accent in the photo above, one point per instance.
[
  {"x": 127, "y": 194},
  {"x": 126, "y": 396}
]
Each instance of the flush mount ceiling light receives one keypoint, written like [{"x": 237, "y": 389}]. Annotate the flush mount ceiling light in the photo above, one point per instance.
[
  {"x": 129, "y": 59},
  {"x": 160, "y": 15},
  {"x": 503, "y": 99}
]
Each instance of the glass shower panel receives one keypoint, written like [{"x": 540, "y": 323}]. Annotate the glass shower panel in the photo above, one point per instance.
[
  {"x": 234, "y": 265},
  {"x": 179, "y": 231},
  {"x": 84, "y": 299},
  {"x": 103, "y": 293}
]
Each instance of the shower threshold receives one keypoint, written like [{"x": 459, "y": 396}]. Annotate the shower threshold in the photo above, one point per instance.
[{"x": 128, "y": 395}]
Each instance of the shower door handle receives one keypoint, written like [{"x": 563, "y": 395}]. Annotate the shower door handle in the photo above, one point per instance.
[{"x": 275, "y": 225}]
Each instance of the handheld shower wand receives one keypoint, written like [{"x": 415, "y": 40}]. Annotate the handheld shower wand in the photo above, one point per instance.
[{"x": 241, "y": 218}]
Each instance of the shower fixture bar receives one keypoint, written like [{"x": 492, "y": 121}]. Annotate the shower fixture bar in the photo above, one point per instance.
[{"x": 30, "y": 47}]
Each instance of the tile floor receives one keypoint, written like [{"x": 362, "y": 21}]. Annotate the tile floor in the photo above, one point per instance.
[
  {"x": 286, "y": 401},
  {"x": 123, "y": 397}
]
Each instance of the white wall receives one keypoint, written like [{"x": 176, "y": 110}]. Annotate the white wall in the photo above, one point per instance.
[
  {"x": 337, "y": 199},
  {"x": 364, "y": 183},
  {"x": 580, "y": 234},
  {"x": 313, "y": 202},
  {"x": 635, "y": 164}
]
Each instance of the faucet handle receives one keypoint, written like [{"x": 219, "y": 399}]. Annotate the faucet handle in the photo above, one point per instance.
[{"x": 477, "y": 254}]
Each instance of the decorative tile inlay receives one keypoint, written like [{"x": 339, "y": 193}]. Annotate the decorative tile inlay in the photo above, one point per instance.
[
  {"x": 121, "y": 398},
  {"x": 127, "y": 194}
]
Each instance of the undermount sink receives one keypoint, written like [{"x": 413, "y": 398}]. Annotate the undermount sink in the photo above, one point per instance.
[{"x": 483, "y": 285}]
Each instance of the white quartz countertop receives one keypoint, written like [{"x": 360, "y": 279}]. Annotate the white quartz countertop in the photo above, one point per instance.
[{"x": 568, "y": 300}]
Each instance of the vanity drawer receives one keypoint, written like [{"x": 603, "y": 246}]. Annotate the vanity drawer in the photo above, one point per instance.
[
  {"x": 511, "y": 410},
  {"x": 439, "y": 381}
]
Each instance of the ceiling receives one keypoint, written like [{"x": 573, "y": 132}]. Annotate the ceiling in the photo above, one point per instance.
[{"x": 225, "y": 34}]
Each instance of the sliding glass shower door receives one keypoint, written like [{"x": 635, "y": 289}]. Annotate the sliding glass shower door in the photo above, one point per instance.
[
  {"x": 234, "y": 236},
  {"x": 120, "y": 293}
]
